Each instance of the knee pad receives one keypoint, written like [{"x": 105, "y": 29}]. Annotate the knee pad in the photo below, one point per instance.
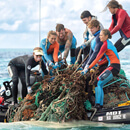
[
  {"x": 105, "y": 77},
  {"x": 125, "y": 42}
]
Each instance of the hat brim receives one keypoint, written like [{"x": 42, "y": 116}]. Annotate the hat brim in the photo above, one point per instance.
[{"x": 38, "y": 52}]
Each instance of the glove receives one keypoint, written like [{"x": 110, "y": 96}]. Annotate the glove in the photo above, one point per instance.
[
  {"x": 56, "y": 65},
  {"x": 84, "y": 71},
  {"x": 51, "y": 64},
  {"x": 51, "y": 79},
  {"x": 80, "y": 68},
  {"x": 82, "y": 46},
  {"x": 62, "y": 62},
  {"x": 29, "y": 89}
]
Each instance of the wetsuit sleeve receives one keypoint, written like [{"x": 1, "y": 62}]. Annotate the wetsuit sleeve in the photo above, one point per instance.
[
  {"x": 56, "y": 50},
  {"x": 44, "y": 48},
  {"x": 27, "y": 72},
  {"x": 103, "y": 61},
  {"x": 68, "y": 45},
  {"x": 120, "y": 21},
  {"x": 100, "y": 54},
  {"x": 112, "y": 25},
  {"x": 96, "y": 50},
  {"x": 43, "y": 66}
]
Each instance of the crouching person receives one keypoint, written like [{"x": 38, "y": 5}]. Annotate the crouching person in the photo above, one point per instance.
[
  {"x": 20, "y": 67},
  {"x": 109, "y": 50},
  {"x": 50, "y": 50}
]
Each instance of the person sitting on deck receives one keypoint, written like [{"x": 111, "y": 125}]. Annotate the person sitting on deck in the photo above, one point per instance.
[
  {"x": 67, "y": 42},
  {"x": 50, "y": 49},
  {"x": 120, "y": 22},
  {"x": 109, "y": 50},
  {"x": 20, "y": 67}
]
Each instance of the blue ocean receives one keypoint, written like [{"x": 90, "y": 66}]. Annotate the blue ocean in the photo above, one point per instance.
[{"x": 7, "y": 54}]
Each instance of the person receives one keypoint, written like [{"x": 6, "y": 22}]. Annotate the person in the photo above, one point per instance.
[
  {"x": 120, "y": 22},
  {"x": 20, "y": 67},
  {"x": 96, "y": 44},
  {"x": 86, "y": 16},
  {"x": 67, "y": 42},
  {"x": 109, "y": 50},
  {"x": 50, "y": 49}
]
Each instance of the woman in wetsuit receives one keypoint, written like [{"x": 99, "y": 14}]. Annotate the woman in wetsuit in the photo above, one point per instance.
[
  {"x": 50, "y": 49},
  {"x": 120, "y": 22},
  {"x": 20, "y": 67},
  {"x": 109, "y": 50}
]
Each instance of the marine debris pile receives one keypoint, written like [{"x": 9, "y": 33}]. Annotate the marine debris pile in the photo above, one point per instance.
[{"x": 63, "y": 97}]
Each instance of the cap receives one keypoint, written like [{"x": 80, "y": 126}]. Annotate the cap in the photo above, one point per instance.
[{"x": 38, "y": 51}]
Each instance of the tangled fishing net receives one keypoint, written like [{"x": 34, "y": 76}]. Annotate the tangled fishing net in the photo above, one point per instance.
[{"x": 64, "y": 98}]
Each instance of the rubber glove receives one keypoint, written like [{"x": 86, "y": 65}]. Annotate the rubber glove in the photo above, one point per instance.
[
  {"x": 82, "y": 46},
  {"x": 50, "y": 63},
  {"x": 56, "y": 65},
  {"x": 62, "y": 62},
  {"x": 52, "y": 78},
  {"x": 84, "y": 71}
]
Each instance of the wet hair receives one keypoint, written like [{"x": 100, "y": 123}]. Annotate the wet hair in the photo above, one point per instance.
[
  {"x": 107, "y": 32},
  {"x": 51, "y": 33},
  {"x": 59, "y": 27},
  {"x": 113, "y": 4},
  {"x": 85, "y": 14},
  {"x": 93, "y": 23},
  {"x": 37, "y": 48}
]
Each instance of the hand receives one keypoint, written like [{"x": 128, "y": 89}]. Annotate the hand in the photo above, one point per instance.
[
  {"x": 80, "y": 68},
  {"x": 52, "y": 78},
  {"x": 29, "y": 89},
  {"x": 82, "y": 46},
  {"x": 56, "y": 65},
  {"x": 84, "y": 71},
  {"x": 50, "y": 63},
  {"x": 62, "y": 62}
]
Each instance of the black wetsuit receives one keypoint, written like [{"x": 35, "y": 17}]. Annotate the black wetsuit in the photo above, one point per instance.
[{"x": 20, "y": 67}]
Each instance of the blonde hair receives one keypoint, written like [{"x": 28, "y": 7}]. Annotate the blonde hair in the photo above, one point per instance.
[
  {"x": 37, "y": 48},
  {"x": 107, "y": 32},
  {"x": 51, "y": 33},
  {"x": 48, "y": 35}
]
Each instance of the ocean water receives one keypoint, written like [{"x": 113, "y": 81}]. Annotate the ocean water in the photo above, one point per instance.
[{"x": 7, "y": 54}]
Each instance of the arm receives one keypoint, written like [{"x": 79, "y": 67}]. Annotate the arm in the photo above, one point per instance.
[
  {"x": 120, "y": 21},
  {"x": 68, "y": 45},
  {"x": 96, "y": 50},
  {"x": 43, "y": 66},
  {"x": 28, "y": 68},
  {"x": 44, "y": 47},
  {"x": 100, "y": 54},
  {"x": 55, "y": 53},
  {"x": 103, "y": 61},
  {"x": 112, "y": 25}
]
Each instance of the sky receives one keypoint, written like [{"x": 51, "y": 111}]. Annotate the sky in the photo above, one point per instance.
[{"x": 19, "y": 19}]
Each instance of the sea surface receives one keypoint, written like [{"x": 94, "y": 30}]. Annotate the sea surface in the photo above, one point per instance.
[{"x": 7, "y": 54}]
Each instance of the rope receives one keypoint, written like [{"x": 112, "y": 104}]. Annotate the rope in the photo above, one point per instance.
[{"x": 36, "y": 98}]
